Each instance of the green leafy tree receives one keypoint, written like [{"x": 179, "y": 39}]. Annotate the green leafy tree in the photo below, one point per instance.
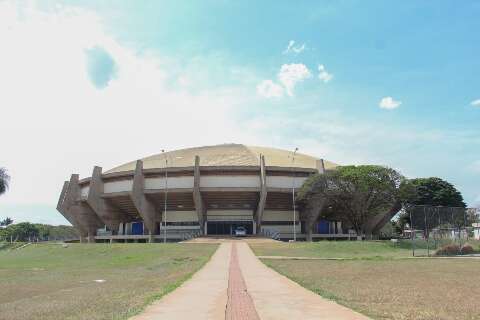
[
  {"x": 23, "y": 231},
  {"x": 43, "y": 231},
  {"x": 5, "y": 222},
  {"x": 365, "y": 196},
  {"x": 435, "y": 192},
  {"x": 444, "y": 204},
  {"x": 4, "y": 180}
]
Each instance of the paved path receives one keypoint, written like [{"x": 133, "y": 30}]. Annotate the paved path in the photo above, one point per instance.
[
  {"x": 277, "y": 297},
  {"x": 202, "y": 297},
  {"x": 235, "y": 285}
]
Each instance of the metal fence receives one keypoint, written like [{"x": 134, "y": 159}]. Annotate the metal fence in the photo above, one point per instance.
[{"x": 432, "y": 229}]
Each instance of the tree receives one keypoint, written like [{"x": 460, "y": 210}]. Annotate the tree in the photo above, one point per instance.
[
  {"x": 5, "y": 222},
  {"x": 28, "y": 231},
  {"x": 4, "y": 180},
  {"x": 43, "y": 231},
  {"x": 432, "y": 192},
  {"x": 365, "y": 196},
  {"x": 23, "y": 231}
]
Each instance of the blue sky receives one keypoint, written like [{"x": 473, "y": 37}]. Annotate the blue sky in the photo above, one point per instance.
[{"x": 384, "y": 82}]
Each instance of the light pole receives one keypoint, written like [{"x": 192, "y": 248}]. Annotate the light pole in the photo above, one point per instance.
[
  {"x": 293, "y": 196},
  {"x": 166, "y": 195}
]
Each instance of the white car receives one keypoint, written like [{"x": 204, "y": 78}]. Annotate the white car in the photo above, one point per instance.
[{"x": 240, "y": 232}]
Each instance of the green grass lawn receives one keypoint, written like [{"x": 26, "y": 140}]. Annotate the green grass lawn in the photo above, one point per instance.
[
  {"x": 382, "y": 281},
  {"x": 48, "y": 281},
  {"x": 332, "y": 249}
]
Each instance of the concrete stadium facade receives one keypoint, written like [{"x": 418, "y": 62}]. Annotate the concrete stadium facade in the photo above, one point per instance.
[{"x": 207, "y": 191}]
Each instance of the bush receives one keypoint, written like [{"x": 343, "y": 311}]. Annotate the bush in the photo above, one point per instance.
[
  {"x": 448, "y": 250},
  {"x": 466, "y": 249}
]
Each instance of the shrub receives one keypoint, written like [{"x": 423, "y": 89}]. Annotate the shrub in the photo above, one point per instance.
[
  {"x": 448, "y": 250},
  {"x": 466, "y": 249}
]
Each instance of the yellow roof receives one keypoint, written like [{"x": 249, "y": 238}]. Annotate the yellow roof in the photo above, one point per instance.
[{"x": 226, "y": 155}]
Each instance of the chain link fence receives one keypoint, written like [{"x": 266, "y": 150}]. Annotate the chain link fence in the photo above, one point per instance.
[{"x": 438, "y": 230}]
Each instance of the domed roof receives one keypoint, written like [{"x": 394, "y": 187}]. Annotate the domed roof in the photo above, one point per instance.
[{"x": 226, "y": 155}]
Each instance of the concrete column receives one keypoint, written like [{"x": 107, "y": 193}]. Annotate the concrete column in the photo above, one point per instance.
[
  {"x": 263, "y": 195},
  {"x": 63, "y": 206},
  {"x": 91, "y": 237},
  {"x": 374, "y": 224},
  {"x": 312, "y": 213},
  {"x": 78, "y": 212},
  {"x": 110, "y": 215},
  {"x": 197, "y": 196},
  {"x": 144, "y": 206}
]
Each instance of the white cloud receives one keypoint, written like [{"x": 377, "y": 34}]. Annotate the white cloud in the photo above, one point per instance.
[
  {"x": 323, "y": 74},
  {"x": 389, "y": 103},
  {"x": 475, "y": 103},
  {"x": 290, "y": 74},
  {"x": 295, "y": 49},
  {"x": 269, "y": 89}
]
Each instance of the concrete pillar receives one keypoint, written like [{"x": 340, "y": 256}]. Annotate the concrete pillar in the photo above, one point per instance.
[
  {"x": 91, "y": 237},
  {"x": 110, "y": 215},
  {"x": 77, "y": 211},
  {"x": 197, "y": 196},
  {"x": 144, "y": 206},
  {"x": 263, "y": 195},
  {"x": 387, "y": 217},
  {"x": 312, "y": 213},
  {"x": 63, "y": 205}
]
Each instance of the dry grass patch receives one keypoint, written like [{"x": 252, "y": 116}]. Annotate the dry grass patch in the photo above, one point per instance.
[
  {"x": 400, "y": 289},
  {"x": 52, "y": 282}
]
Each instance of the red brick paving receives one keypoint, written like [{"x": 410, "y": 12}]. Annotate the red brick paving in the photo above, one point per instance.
[{"x": 240, "y": 304}]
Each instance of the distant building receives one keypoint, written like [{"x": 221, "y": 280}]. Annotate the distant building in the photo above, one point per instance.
[{"x": 207, "y": 190}]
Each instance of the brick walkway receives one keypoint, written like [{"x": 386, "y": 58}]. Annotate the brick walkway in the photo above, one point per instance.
[{"x": 239, "y": 304}]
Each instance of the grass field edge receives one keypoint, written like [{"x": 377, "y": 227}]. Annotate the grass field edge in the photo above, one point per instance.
[
  {"x": 168, "y": 289},
  {"x": 322, "y": 293}
]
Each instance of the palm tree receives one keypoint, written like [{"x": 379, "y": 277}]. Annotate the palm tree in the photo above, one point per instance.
[{"x": 4, "y": 180}]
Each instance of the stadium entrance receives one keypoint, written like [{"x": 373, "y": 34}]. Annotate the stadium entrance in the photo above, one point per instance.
[{"x": 228, "y": 227}]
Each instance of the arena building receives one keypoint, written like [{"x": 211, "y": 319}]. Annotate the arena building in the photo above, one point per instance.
[{"x": 208, "y": 190}]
